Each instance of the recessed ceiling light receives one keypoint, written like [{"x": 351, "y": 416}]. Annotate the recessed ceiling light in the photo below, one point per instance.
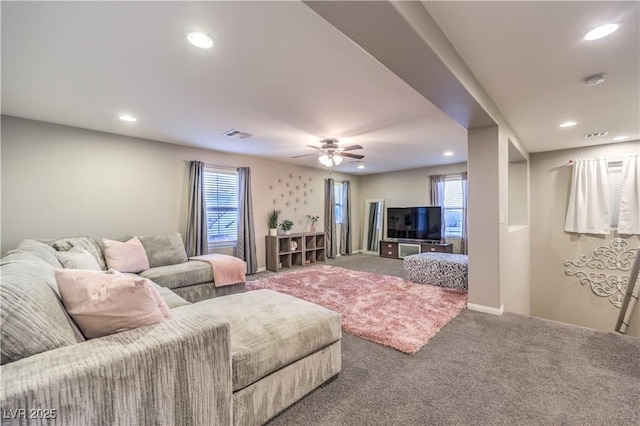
[
  {"x": 568, "y": 124},
  {"x": 200, "y": 40},
  {"x": 620, "y": 138},
  {"x": 127, "y": 117},
  {"x": 361, "y": 166},
  {"x": 448, "y": 154},
  {"x": 601, "y": 32}
]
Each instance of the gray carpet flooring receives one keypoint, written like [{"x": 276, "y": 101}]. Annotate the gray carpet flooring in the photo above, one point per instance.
[{"x": 480, "y": 370}]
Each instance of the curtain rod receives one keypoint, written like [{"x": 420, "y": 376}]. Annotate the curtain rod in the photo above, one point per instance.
[
  {"x": 215, "y": 165},
  {"x": 610, "y": 160}
]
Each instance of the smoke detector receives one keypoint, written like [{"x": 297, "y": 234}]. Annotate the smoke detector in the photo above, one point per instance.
[{"x": 594, "y": 80}]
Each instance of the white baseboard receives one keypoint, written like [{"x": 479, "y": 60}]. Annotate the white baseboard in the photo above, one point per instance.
[
  {"x": 261, "y": 269},
  {"x": 486, "y": 309}
]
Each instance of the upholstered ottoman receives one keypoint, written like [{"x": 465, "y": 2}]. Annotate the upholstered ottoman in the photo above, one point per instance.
[
  {"x": 282, "y": 348},
  {"x": 441, "y": 269}
]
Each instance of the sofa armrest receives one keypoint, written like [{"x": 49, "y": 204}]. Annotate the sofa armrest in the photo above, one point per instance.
[{"x": 174, "y": 372}]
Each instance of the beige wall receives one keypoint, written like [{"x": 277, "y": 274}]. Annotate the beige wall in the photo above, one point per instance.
[
  {"x": 405, "y": 188},
  {"x": 515, "y": 243},
  {"x": 556, "y": 296},
  {"x": 62, "y": 181},
  {"x": 518, "y": 194}
]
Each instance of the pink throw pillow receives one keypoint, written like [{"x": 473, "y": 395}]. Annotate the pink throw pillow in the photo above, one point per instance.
[
  {"x": 103, "y": 303},
  {"x": 125, "y": 257}
]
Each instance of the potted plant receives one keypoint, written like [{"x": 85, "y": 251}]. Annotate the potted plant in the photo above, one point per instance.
[
  {"x": 272, "y": 218},
  {"x": 313, "y": 218},
  {"x": 286, "y": 226}
]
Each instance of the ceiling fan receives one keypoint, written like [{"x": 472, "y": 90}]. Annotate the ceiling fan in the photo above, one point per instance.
[{"x": 330, "y": 153}]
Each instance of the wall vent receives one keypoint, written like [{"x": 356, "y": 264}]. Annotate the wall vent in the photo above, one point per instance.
[
  {"x": 595, "y": 135},
  {"x": 238, "y": 134}
]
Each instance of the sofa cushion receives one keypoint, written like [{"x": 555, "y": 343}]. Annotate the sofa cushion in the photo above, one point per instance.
[
  {"x": 26, "y": 255},
  {"x": 125, "y": 257},
  {"x": 78, "y": 258},
  {"x": 33, "y": 317},
  {"x": 104, "y": 303},
  {"x": 172, "y": 299},
  {"x": 164, "y": 250},
  {"x": 180, "y": 275},
  {"x": 270, "y": 330},
  {"x": 91, "y": 245},
  {"x": 42, "y": 250}
]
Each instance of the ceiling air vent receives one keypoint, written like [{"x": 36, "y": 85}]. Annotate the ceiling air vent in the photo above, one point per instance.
[
  {"x": 238, "y": 134},
  {"x": 595, "y": 135}
]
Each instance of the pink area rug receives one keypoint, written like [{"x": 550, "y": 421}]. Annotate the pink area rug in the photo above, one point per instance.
[{"x": 387, "y": 310}]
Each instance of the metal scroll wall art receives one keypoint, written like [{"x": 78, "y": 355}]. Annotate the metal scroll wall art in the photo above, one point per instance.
[{"x": 595, "y": 270}]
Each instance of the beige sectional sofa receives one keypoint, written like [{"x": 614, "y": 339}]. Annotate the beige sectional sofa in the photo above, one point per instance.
[{"x": 238, "y": 359}]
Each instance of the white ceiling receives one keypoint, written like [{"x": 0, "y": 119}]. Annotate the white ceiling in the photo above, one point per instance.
[
  {"x": 282, "y": 73},
  {"x": 531, "y": 59}
]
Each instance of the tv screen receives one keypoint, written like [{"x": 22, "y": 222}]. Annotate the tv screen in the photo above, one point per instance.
[{"x": 416, "y": 223}]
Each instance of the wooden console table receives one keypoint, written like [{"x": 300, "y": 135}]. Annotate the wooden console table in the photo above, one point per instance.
[{"x": 400, "y": 249}]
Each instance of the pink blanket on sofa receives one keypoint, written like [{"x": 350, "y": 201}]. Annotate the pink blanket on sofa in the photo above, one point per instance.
[{"x": 227, "y": 270}]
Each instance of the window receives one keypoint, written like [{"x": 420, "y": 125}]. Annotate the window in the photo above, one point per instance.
[
  {"x": 339, "y": 202},
  {"x": 221, "y": 189},
  {"x": 453, "y": 207}
]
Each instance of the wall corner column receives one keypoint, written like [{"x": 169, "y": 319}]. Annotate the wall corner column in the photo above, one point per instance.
[{"x": 483, "y": 219}]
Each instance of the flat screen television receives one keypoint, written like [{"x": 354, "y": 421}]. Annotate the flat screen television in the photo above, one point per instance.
[{"x": 416, "y": 223}]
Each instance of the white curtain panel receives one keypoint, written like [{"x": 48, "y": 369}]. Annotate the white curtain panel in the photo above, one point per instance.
[
  {"x": 629, "y": 219},
  {"x": 588, "y": 211}
]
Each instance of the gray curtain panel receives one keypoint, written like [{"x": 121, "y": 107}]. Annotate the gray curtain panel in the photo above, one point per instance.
[
  {"x": 437, "y": 196},
  {"x": 246, "y": 247},
  {"x": 196, "y": 211},
  {"x": 464, "y": 242},
  {"x": 345, "y": 233},
  {"x": 330, "y": 218}
]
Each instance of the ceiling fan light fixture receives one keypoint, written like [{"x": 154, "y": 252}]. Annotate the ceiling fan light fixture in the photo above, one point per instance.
[
  {"x": 337, "y": 159},
  {"x": 325, "y": 160}
]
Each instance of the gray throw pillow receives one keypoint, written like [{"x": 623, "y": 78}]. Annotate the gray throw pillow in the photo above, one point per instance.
[
  {"x": 87, "y": 243},
  {"x": 164, "y": 250},
  {"x": 78, "y": 258}
]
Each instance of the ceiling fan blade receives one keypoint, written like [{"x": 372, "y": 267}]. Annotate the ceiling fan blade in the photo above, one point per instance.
[
  {"x": 314, "y": 147},
  {"x": 346, "y": 154},
  {"x": 350, "y": 147},
  {"x": 304, "y": 155}
]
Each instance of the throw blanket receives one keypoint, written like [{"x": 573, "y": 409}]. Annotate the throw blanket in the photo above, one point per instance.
[{"x": 227, "y": 270}]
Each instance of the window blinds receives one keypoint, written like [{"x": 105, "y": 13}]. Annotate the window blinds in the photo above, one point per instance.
[{"x": 221, "y": 189}]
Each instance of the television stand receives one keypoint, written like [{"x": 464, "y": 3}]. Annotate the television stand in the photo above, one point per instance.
[{"x": 399, "y": 248}]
